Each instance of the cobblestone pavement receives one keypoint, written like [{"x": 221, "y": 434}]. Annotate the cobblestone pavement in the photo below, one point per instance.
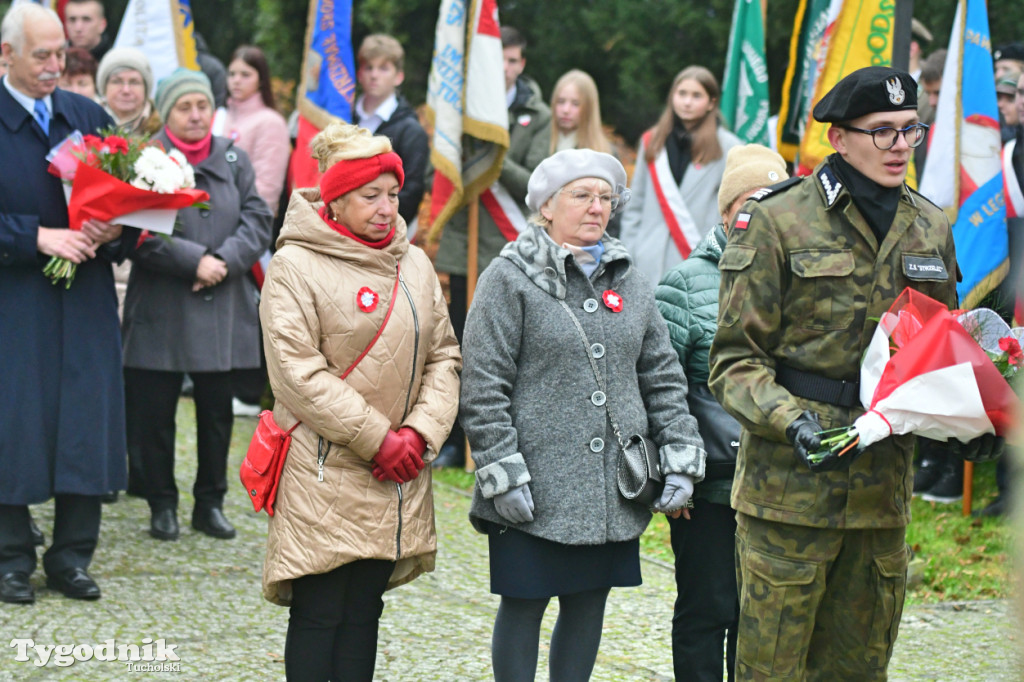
[{"x": 202, "y": 596}]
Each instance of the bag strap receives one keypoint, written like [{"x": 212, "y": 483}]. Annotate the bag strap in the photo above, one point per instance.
[
  {"x": 597, "y": 373},
  {"x": 387, "y": 316}
]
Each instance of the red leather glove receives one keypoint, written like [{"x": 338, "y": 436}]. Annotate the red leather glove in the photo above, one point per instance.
[
  {"x": 393, "y": 460},
  {"x": 415, "y": 447}
]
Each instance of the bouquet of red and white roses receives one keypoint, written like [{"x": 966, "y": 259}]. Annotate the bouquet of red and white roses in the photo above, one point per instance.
[
  {"x": 130, "y": 180},
  {"x": 937, "y": 373}
]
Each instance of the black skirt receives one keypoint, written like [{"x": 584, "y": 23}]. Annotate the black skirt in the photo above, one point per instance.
[{"x": 525, "y": 566}]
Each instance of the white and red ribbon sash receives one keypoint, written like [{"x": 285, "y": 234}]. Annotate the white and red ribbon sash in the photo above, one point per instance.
[
  {"x": 504, "y": 211},
  {"x": 680, "y": 223},
  {"x": 1011, "y": 183}
]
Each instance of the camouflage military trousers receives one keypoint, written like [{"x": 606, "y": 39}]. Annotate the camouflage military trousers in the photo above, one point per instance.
[{"x": 817, "y": 603}]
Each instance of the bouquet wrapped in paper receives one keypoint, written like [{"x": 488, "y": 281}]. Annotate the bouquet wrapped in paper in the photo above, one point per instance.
[
  {"x": 128, "y": 180},
  {"x": 933, "y": 372}
]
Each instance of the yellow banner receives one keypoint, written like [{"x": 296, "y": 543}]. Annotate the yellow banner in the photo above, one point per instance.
[{"x": 863, "y": 37}]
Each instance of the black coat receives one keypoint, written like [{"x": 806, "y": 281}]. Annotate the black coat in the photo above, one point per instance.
[
  {"x": 62, "y": 400},
  {"x": 410, "y": 142}
]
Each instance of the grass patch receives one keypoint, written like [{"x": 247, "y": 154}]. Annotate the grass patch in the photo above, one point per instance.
[{"x": 964, "y": 559}]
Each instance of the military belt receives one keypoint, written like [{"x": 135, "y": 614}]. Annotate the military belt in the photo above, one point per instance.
[{"x": 816, "y": 387}]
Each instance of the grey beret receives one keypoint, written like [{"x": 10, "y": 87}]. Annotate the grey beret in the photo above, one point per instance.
[
  {"x": 557, "y": 171},
  {"x": 182, "y": 82},
  {"x": 123, "y": 58}
]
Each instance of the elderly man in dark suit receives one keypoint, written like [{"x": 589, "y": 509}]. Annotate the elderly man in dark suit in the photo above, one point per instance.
[{"x": 62, "y": 404}]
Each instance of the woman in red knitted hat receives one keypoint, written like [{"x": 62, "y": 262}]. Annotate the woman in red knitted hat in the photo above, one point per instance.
[{"x": 361, "y": 352}]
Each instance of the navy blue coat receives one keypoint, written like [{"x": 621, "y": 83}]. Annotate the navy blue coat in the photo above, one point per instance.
[{"x": 61, "y": 393}]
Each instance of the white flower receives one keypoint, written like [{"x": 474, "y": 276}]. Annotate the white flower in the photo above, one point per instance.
[
  {"x": 155, "y": 170},
  {"x": 188, "y": 173}
]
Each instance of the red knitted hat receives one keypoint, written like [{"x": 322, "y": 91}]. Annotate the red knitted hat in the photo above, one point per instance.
[{"x": 349, "y": 174}]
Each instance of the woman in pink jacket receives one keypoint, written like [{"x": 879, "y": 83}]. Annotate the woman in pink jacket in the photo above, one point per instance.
[{"x": 254, "y": 124}]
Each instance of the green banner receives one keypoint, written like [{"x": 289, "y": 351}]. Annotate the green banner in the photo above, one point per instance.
[{"x": 745, "y": 86}]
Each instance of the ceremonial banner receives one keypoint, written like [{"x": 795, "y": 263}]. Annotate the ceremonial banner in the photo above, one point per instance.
[
  {"x": 963, "y": 173},
  {"x": 327, "y": 89},
  {"x": 466, "y": 104},
  {"x": 162, "y": 30},
  {"x": 862, "y": 37},
  {"x": 812, "y": 29},
  {"x": 745, "y": 86}
]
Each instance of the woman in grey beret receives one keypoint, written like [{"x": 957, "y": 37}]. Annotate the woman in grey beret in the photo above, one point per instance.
[{"x": 560, "y": 306}]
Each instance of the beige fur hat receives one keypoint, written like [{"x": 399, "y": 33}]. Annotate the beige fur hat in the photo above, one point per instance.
[{"x": 747, "y": 167}]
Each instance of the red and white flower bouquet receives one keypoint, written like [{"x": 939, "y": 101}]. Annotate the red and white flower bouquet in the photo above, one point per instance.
[
  {"x": 937, "y": 373},
  {"x": 129, "y": 180}
]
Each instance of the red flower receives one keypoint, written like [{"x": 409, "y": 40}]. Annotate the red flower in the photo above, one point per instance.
[
  {"x": 92, "y": 142},
  {"x": 117, "y": 144},
  {"x": 367, "y": 299},
  {"x": 612, "y": 300},
  {"x": 1011, "y": 346}
]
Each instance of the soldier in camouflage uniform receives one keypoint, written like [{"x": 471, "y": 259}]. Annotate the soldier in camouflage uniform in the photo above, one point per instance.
[{"x": 810, "y": 267}]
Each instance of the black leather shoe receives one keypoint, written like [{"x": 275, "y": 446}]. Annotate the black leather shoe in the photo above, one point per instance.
[
  {"x": 163, "y": 525},
  {"x": 74, "y": 583},
  {"x": 213, "y": 523},
  {"x": 16, "y": 589},
  {"x": 38, "y": 539},
  {"x": 109, "y": 498}
]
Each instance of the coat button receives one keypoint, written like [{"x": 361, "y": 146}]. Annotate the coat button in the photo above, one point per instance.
[
  {"x": 204, "y": 212},
  {"x": 598, "y": 398},
  {"x": 597, "y": 445},
  {"x": 208, "y": 297},
  {"x": 590, "y": 305},
  {"x": 597, "y": 350},
  {"x": 550, "y": 272}
]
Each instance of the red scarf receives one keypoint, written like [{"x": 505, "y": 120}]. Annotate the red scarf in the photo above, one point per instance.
[
  {"x": 344, "y": 231},
  {"x": 195, "y": 152}
]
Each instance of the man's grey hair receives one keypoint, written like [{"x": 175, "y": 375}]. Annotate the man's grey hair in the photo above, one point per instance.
[{"x": 12, "y": 30}]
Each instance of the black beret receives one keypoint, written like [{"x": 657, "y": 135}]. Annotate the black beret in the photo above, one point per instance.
[
  {"x": 867, "y": 91},
  {"x": 1009, "y": 51}
]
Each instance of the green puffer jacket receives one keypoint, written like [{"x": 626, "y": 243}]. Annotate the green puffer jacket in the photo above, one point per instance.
[{"x": 687, "y": 297}]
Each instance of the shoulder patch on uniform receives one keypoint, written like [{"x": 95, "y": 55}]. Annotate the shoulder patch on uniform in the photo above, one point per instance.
[
  {"x": 830, "y": 183},
  {"x": 742, "y": 221},
  {"x": 778, "y": 187}
]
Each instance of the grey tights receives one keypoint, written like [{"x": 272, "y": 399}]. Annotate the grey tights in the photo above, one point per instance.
[{"x": 574, "y": 641}]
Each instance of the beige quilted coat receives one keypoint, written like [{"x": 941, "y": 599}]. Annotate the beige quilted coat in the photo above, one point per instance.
[{"x": 313, "y": 330}]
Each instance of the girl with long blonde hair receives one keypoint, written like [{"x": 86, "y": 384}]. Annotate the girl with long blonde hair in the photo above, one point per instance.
[{"x": 576, "y": 114}]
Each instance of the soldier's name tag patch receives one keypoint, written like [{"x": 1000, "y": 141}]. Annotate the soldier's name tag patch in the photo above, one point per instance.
[
  {"x": 742, "y": 221},
  {"x": 924, "y": 268}
]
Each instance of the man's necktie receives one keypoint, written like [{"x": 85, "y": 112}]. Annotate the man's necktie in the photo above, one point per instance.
[{"x": 42, "y": 116}]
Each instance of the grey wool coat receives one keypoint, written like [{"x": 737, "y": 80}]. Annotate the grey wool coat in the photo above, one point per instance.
[
  {"x": 169, "y": 327},
  {"x": 528, "y": 400}
]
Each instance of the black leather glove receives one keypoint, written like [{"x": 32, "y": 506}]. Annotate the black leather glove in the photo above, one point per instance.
[
  {"x": 803, "y": 434},
  {"x": 984, "y": 448}
]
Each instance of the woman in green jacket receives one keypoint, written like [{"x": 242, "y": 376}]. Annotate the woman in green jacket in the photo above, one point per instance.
[{"x": 707, "y": 605}]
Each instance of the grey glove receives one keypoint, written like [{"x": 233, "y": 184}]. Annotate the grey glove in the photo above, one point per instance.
[
  {"x": 515, "y": 505},
  {"x": 676, "y": 495}
]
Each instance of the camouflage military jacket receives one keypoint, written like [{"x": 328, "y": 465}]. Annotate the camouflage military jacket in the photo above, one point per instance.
[{"x": 804, "y": 283}]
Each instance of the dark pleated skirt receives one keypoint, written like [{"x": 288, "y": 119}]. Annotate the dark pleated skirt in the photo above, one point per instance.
[{"x": 525, "y": 566}]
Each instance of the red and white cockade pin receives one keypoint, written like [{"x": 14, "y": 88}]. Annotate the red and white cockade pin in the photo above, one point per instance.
[
  {"x": 367, "y": 299},
  {"x": 612, "y": 300}
]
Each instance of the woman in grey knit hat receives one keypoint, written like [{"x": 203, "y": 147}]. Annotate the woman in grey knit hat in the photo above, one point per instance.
[
  {"x": 191, "y": 308},
  {"x": 563, "y": 339},
  {"x": 124, "y": 80}
]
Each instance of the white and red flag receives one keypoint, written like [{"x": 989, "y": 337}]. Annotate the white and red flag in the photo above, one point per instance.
[{"x": 466, "y": 104}]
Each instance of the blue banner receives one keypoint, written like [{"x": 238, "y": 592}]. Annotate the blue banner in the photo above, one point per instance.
[
  {"x": 328, "y": 83},
  {"x": 982, "y": 243}
]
